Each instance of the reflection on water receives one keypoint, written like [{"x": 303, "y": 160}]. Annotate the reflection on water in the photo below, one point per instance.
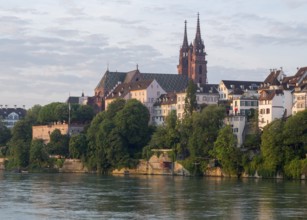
[{"x": 87, "y": 196}]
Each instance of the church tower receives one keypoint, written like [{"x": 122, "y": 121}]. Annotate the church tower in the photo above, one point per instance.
[
  {"x": 192, "y": 59},
  {"x": 183, "y": 67}
]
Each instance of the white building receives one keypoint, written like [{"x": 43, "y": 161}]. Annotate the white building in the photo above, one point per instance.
[
  {"x": 274, "y": 104},
  {"x": 243, "y": 105},
  {"x": 146, "y": 91},
  {"x": 275, "y": 100},
  {"x": 237, "y": 123}
]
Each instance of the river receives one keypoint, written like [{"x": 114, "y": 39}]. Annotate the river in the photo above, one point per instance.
[{"x": 89, "y": 196}]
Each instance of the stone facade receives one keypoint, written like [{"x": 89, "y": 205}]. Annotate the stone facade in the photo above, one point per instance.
[{"x": 43, "y": 131}]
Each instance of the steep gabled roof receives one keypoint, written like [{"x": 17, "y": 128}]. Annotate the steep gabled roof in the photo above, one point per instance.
[
  {"x": 124, "y": 88},
  {"x": 110, "y": 79},
  {"x": 166, "y": 99},
  {"x": 270, "y": 94},
  {"x": 4, "y": 112},
  {"x": 209, "y": 88},
  {"x": 169, "y": 82},
  {"x": 249, "y": 85},
  {"x": 272, "y": 78},
  {"x": 73, "y": 100}
]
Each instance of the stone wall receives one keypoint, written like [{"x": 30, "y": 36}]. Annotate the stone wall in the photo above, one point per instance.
[
  {"x": 156, "y": 165},
  {"x": 73, "y": 166}
]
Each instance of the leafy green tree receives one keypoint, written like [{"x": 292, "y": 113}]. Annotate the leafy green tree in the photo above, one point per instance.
[
  {"x": 61, "y": 112},
  {"x": 226, "y": 152},
  {"x": 272, "y": 148},
  {"x": 205, "y": 129},
  {"x": 190, "y": 99},
  {"x": 5, "y": 134},
  {"x": 116, "y": 137},
  {"x": 295, "y": 135},
  {"x": 47, "y": 113},
  {"x": 18, "y": 154},
  {"x": 32, "y": 114},
  {"x": 58, "y": 144},
  {"x": 85, "y": 113},
  {"x": 78, "y": 146},
  {"x": 132, "y": 123},
  {"x": 38, "y": 153}
]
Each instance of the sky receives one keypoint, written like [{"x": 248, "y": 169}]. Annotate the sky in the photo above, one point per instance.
[{"x": 51, "y": 49}]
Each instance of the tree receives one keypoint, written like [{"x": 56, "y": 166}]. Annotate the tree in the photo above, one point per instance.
[
  {"x": 85, "y": 113},
  {"x": 205, "y": 129},
  {"x": 226, "y": 152},
  {"x": 295, "y": 135},
  {"x": 61, "y": 112},
  {"x": 5, "y": 134},
  {"x": 33, "y": 114},
  {"x": 190, "y": 99},
  {"x": 18, "y": 154},
  {"x": 58, "y": 144},
  {"x": 47, "y": 113},
  {"x": 38, "y": 153},
  {"x": 132, "y": 123},
  {"x": 272, "y": 148},
  {"x": 116, "y": 137},
  {"x": 78, "y": 146}
]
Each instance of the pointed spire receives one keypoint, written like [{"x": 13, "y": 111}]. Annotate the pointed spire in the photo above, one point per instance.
[
  {"x": 185, "y": 38},
  {"x": 198, "y": 36}
]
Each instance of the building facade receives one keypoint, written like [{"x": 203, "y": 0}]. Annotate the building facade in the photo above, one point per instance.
[{"x": 10, "y": 116}]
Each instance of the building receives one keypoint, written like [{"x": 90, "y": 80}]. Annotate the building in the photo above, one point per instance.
[
  {"x": 81, "y": 100},
  {"x": 192, "y": 66},
  {"x": 163, "y": 107},
  {"x": 244, "y": 105},
  {"x": 275, "y": 100},
  {"x": 43, "y": 131},
  {"x": 238, "y": 124},
  {"x": 10, "y": 116},
  {"x": 230, "y": 89},
  {"x": 300, "y": 91},
  {"x": 192, "y": 58},
  {"x": 110, "y": 81},
  {"x": 205, "y": 95},
  {"x": 145, "y": 91}
]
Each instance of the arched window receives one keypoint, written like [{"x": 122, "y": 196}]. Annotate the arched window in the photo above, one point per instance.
[
  {"x": 200, "y": 69},
  {"x": 200, "y": 80}
]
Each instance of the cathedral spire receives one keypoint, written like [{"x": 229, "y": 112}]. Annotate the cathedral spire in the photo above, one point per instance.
[
  {"x": 185, "y": 38},
  {"x": 198, "y": 36}
]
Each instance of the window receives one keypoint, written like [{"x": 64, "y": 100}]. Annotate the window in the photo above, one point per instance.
[
  {"x": 200, "y": 70},
  {"x": 235, "y": 130},
  {"x": 268, "y": 111}
]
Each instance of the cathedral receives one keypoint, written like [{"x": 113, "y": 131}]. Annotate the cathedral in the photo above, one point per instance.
[
  {"x": 192, "y": 66},
  {"x": 192, "y": 58}
]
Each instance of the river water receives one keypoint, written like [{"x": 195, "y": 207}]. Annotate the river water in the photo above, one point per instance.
[{"x": 89, "y": 196}]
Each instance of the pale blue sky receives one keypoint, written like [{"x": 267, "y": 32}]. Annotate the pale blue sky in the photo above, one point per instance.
[{"x": 51, "y": 48}]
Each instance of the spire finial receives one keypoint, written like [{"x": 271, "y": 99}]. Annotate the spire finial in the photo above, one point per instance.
[
  {"x": 137, "y": 66},
  {"x": 108, "y": 66}
]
